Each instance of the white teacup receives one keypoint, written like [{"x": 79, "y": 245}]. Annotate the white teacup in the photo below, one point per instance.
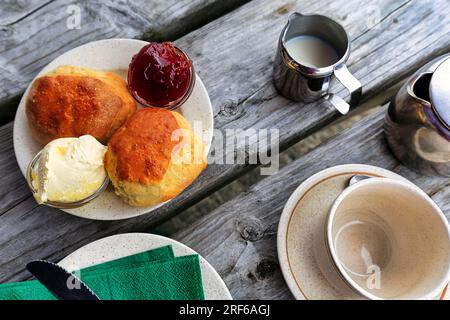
[{"x": 385, "y": 239}]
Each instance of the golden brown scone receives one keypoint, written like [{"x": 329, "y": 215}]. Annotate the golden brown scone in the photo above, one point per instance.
[
  {"x": 73, "y": 101},
  {"x": 153, "y": 157}
]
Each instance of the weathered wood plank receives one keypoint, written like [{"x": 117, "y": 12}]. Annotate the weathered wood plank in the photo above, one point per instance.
[
  {"x": 32, "y": 33},
  {"x": 241, "y": 88},
  {"x": 233, "y": 55},
  {"x": 239, "y": 237}
]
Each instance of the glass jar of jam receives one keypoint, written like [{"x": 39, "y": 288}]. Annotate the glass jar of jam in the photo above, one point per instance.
[{"x": 161, "y": 75}]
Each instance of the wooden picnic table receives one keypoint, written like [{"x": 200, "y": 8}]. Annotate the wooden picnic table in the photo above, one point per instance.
[{"x": 233, "y": 44}]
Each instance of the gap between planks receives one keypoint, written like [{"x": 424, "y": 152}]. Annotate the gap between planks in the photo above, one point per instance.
[
  {"x": 239, "y": 238},
  {"x": 402, "y": 43}
]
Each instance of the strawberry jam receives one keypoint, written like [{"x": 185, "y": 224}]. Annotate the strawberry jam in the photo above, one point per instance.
[{"x": 161, "y": 75}]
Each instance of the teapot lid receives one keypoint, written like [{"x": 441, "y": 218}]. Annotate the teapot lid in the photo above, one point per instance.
[{"x": 440, "y": 92}]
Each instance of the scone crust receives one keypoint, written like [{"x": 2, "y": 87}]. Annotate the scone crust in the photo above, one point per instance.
[
  {"x": 72, "y": 101},
  {"x": 140, "y": 160}
]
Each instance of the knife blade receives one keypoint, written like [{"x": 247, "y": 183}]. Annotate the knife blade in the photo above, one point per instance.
[{"x": 61, "y": 283}]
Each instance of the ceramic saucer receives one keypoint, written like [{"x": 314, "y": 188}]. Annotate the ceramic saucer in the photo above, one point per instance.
[
  {"x": 303, "y": 214},
  {"x": 126, "y": 244}
]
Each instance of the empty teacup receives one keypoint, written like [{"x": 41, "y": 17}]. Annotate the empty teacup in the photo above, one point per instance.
[
  {"x": 311, "y": 49},
  {"x": 385, "y": 239}
]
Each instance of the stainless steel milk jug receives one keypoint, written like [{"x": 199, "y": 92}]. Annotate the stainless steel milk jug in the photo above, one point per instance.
[{"x": 300, "y": 82}]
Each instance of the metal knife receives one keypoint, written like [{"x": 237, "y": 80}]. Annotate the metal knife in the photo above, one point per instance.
[{"x": 61, "y": 283}]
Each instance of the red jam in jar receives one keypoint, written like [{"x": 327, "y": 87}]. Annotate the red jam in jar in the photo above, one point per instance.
[{"x": 161, "y": 75}]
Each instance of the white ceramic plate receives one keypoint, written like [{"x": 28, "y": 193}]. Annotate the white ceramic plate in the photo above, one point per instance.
[
  {"x": 303, "y": 214},
  {"x": 111, "y": 55},
  {"x": 123, "y": 245}
]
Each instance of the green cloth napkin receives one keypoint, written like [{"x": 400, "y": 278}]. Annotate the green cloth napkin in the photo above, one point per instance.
[{"x": 151, "y": 275}]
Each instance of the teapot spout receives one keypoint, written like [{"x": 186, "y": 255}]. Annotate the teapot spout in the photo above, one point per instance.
[{"x": 419, "y": 88}]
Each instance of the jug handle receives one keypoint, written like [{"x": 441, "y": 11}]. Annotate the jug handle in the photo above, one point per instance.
[{"x": 353, "y": 86}]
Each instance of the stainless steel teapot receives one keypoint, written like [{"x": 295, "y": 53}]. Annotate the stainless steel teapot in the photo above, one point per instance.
[{"x": 417, "y": 123}]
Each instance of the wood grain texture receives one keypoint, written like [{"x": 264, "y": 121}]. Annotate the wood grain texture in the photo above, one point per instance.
[
  {"x": 32, "y": 33},
  {"x": 239, "y": 237},
  {"x": 233, "y": 55}
]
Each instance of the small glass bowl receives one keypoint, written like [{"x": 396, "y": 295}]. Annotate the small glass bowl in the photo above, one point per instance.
[
  {"x": 176, "y": 103},
  {"x": 56, "y": 204}
]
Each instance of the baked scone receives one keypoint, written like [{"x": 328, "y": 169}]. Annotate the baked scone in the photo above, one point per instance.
[
  {"x": 153, "y": 157},
  {"x": 73, "y": 101}
]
